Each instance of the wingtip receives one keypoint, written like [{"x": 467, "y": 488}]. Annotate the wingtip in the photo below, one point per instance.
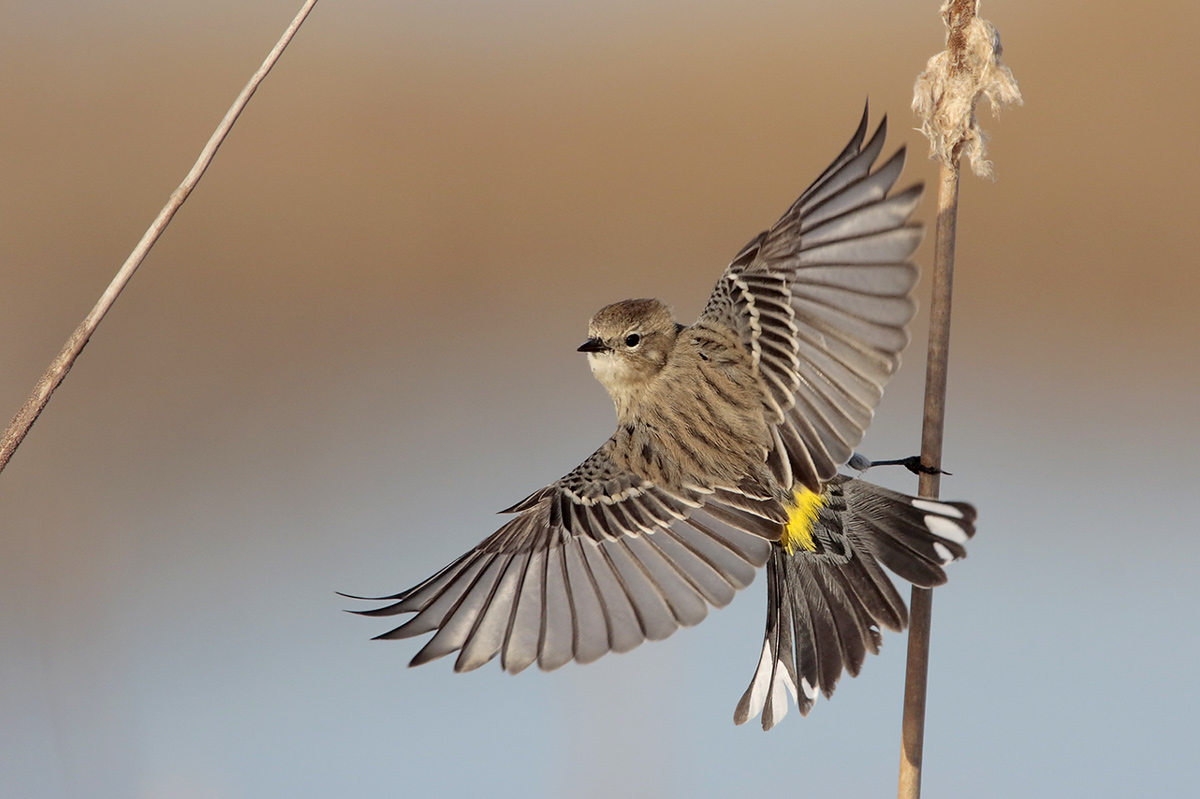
[
  {"x": 866, "y": 115},
  {"x": 430, "y": 652},
  {"x": 387, "y": 610},
  {"x": 388, "y": 598},
  {"x": 860, "y": 132}
]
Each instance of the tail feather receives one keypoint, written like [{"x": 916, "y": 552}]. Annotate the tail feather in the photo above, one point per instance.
[
  {"x": 877, "y": 593},
  {"x": 783, "y": 671},
  {"x": 776, "y": 673},
  {"x": 850, "y": 620},
  {"x": 824, "y": 643},
  {"x": 913, "y": 537},
  {"x": 825, "y": 608}
]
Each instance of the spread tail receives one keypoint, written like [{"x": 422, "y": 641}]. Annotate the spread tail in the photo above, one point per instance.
[{"x": 827, "y": 595}]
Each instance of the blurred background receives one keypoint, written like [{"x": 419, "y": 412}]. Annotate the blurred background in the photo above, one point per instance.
[{"x": 357, "y": 341}]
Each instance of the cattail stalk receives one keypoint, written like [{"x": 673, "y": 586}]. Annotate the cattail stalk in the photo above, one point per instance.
[
  {"x": 946, "y": 95},
  {"x": 19, "y": 426}
]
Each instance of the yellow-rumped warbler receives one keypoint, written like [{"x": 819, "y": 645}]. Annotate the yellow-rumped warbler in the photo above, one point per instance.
[{"x": 729, "y": 438}]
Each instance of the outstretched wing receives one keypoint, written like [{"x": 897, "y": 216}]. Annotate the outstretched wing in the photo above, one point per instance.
[
  {"x": 822, "y": 302},
  {"x": 597, "y": 562}
]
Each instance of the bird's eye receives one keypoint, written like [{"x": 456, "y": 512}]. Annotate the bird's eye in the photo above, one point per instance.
[{"x": 632, "y": 340}]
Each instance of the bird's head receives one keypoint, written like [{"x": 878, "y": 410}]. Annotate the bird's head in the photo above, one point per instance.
[{"x": 628, "y": 345}]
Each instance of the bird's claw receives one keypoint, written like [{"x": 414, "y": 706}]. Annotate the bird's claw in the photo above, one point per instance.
[{"x": 912, "y": 463}]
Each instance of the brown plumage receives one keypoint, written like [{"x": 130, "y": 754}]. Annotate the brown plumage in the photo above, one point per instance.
[
  {"x": 721, "y": 428},
  {"x": 690, "y": 411}
]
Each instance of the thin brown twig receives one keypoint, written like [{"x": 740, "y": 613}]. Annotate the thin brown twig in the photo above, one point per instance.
[
  {"x": 19, "y": 426},
  {"x": 946, "y": 97},
  {"x": 912, "y": 739}
]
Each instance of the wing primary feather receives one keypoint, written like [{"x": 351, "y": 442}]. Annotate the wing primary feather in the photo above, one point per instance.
[
  {"x": 848, "y": 152},
  {"x": 558, "y": 621},
  {"x": 530, "y": 501},
  {"x": 520, "y": 566},
  {"x": 457, "y": 624},
  {"x": 850, "y": 171},
  {"x": 431, "y": 616},
  {"x": 809, "y": 443},
  {"x": 843, "y": 404},
  {"x": 856, "y": 389},
  {"x": 863, "y": 207},
  {"x": 893, "y": 245},
  {"x": 485, "y": 638},
  {"x": 695, "y": 570},
  {"x": 738, "y": 563},
  {"x": 862, "y": 333},
  {"x": 873, "y": 365},
  {"x": 626, "y": 590},
  {"x": 696, "y": 552},
  {"x": 624, "y": 628},
  {"x": 881, "y": 280},
  {"x": 524, "y": 633},
  {"x": 655, "y": 614},
  {"x": 685, "y": 602},
  {"x": 591, "y": 622}
]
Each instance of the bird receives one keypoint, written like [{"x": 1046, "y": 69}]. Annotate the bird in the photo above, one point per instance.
[{"x": 730, "y": 435}]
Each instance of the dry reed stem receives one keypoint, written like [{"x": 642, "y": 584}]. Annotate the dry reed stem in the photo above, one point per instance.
[
  {"x": 19, "y": 426},
  {"x": 945, "y": 97},
  {"x": 947, "y": 93}
]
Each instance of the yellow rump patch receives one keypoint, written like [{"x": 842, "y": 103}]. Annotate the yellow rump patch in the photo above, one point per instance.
[{"x": 801, "y": 518}]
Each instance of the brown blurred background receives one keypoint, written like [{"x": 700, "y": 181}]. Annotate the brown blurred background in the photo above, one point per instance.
[{"x": 356, "y": 342}]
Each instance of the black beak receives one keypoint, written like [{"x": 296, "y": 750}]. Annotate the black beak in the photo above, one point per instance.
[{"x": 593, "y": 345}]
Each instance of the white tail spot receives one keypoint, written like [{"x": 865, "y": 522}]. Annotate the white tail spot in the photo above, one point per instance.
[
  {"x": 779, "y": 703},
  {"x": 790, "y": 683},
  {"x": 942, "y": 552},
  {"x": 944, "y": 528},
  {"x": 937, "y": 507},
  {"x": 762, "y": 679}
]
